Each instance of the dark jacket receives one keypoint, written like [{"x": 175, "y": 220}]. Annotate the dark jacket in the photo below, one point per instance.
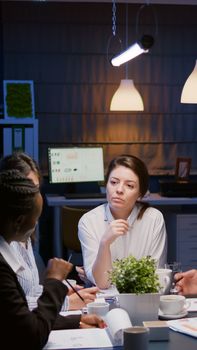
[{"x": 23, "y": 329}]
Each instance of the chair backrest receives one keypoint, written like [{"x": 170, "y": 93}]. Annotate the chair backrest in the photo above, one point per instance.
[{"x": 70, "y": 219}]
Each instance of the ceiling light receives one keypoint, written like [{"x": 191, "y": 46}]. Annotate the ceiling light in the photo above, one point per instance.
[
  {"x": 133, "y": 51},
  {"x": 126, "y": 97},
  {"x": 189, "y": 92}
]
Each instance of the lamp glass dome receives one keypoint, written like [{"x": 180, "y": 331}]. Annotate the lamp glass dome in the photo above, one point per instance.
[
  {"x": 127, "y": 97},
  {"x": 189, "y": 92}
]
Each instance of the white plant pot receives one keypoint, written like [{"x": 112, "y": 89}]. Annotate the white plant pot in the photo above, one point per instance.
[{"x": 141, "y": 307}]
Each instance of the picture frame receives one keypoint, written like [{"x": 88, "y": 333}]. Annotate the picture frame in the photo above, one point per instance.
[
  {"x": 183, "y": 166},
  {"x": 18, "y": 99},
  {"x": 18, "y": 138}
]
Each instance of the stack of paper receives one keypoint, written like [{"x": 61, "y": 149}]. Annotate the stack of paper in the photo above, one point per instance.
[{"x": 184, "y": 325}]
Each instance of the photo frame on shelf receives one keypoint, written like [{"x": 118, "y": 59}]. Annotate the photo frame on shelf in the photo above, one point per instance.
[
  {"x": 18, "y": 138},
  {"x": 18, "y": 99},
  {"x": 183, "y": 166}
]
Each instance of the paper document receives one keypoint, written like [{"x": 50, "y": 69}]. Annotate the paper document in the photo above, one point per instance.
[
  {"x": 116, "y": 320},
  {"x": 78, "y": 338},
  {"x": 72, "y": 312},
  {"x": 184, "y": 325}
]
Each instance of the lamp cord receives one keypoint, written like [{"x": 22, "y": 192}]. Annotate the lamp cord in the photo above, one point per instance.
[
  {"x": 114, "y": 35},
  {"x": 126, "y": 39},
  {"x": 114, "y": 17},
  {"x": 139, "y": 13}
]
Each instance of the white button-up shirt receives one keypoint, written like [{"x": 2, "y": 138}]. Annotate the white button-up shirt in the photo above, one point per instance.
[{"x": 145, "y": 237}]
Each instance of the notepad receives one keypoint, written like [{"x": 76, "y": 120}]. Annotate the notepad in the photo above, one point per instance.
[{"x": 116, "y": 320}]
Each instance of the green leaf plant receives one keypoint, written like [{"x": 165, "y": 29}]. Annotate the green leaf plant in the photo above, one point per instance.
[{"x": 130, "y": 275}]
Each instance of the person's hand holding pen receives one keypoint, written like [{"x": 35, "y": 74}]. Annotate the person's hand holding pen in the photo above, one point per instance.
[
  {"x": 81, "y": 273},
  {"x": 88, "y": 295}
]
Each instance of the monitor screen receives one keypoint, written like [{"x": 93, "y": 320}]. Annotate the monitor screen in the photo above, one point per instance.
[{"x": 75, "y": 164}]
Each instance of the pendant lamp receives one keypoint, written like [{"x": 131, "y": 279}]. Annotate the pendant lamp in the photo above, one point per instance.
[
  {"x": 127, "y": 97},
  {"x": 189, "y": 92}
]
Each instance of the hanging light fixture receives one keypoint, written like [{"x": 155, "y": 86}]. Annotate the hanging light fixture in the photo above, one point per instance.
[
  {"x": 126, "y": 97},
  {"x": 142, "y": 46},
  {"x": 189, "y": 92}
]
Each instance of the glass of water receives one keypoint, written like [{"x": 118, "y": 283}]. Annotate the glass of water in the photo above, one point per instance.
[{"x": 175, "y": 267}]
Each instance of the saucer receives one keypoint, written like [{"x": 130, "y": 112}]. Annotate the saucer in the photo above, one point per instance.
[{"x": 163, "y": 316}]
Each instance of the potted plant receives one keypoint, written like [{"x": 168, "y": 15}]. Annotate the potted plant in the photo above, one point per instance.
[{"x": 138, "y": 284}]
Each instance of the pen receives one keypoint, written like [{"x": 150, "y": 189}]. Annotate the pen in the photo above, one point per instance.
[
  {"x": 74, "y": 290},
  {"x": 70, "y": 257}
]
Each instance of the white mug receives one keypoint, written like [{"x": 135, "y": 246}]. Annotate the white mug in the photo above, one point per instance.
[
  {"x": 173, "y": 304},
  {"x": 98, "y": 308},
  {"x": 165, "y": 277}
]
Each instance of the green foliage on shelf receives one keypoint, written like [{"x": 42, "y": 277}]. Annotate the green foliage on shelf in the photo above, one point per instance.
[
  {"x": 19, "y": 100},
  {"x": 130, "y": 275}
]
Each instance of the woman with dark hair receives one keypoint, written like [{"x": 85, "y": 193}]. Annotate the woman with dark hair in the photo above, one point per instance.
[
  {"x": 124, "y": 225},
  {"x": 20, "y": 208},
  {"x": 24, "y": 163},
  {"x": 29, "y": 276}
]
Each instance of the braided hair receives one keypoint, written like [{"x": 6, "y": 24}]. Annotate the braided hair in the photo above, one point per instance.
[
  {"x": 17, "y": 194},
  {"x": 21, "y": 161}
]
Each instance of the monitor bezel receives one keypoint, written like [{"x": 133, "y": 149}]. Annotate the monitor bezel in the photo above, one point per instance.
[{"x": 74, "y": 147}]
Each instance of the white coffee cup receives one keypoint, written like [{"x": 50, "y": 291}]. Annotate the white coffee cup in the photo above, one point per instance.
[
  {"x": 173, "y": 304},
  {"x": 165, "y": 276},
  {"x": 98, "y": 308}
]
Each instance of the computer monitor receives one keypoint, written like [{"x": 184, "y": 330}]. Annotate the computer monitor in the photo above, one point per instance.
[{"x": 75, "y": 164}]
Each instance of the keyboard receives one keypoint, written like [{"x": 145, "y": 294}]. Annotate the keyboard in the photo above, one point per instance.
[{"x": 85, "y": 195}]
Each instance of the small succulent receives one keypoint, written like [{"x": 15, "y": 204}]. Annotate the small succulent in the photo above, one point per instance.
[{"x": 130, "y": 275}]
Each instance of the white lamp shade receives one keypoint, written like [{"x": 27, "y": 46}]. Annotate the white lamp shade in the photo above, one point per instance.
[
  {"x": 189, "y": 92},
  {"x": 127, "y": 98}
]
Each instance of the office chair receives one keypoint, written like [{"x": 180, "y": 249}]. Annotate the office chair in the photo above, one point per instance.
[{"x": 70, "y": 218}]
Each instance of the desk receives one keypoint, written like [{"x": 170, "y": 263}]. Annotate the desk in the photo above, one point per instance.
[
  {"x": 177, "y": 341},
  {"x": 57, "y": 202}
]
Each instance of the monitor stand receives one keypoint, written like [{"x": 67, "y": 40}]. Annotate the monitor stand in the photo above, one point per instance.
[{"x": 82, "y": 187}]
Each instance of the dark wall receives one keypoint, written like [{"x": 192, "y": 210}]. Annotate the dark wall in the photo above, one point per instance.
[
  {"x": 62, "y": 47},
  {"x": 1, "y": 77}
]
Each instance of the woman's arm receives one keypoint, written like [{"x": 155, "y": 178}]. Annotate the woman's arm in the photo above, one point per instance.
[
  {"x": 159, "y": 240},
  {"x": 96, "y": 249},
  {"x": 102, "y": 265},
  {"x": 103, "y": 262}
]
